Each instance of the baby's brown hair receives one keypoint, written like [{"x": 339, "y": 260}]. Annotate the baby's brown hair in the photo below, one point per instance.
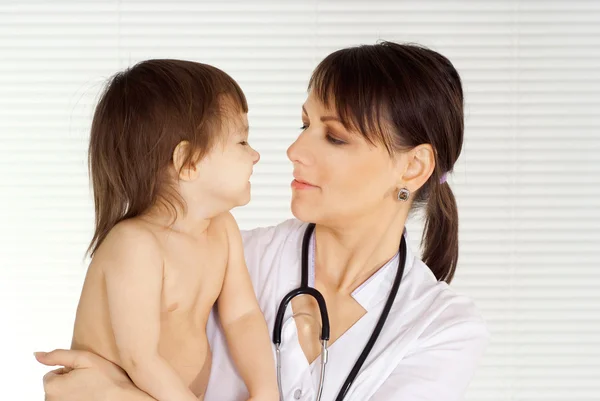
[{"x": 143, "y": 114}]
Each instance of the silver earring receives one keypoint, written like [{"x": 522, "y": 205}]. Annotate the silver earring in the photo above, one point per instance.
[{"x": 403, "y": 194}]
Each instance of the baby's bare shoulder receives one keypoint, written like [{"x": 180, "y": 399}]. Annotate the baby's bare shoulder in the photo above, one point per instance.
[
  {"x": 223, "y": 220},
  {"x": 224, "y": 226},
  {"x": 129, "y": 242}
]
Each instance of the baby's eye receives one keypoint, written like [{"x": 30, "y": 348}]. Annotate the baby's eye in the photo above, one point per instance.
[{"x": 244, "y": 143}]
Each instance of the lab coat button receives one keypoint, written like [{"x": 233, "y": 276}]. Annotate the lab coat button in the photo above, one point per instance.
[{"x": 297, "y": 394}]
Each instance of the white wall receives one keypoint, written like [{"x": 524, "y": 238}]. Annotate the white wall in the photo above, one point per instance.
[{"x": 527, "y": 183}]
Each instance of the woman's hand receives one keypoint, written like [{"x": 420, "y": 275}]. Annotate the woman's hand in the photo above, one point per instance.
[{"x": 85, "y": 376}]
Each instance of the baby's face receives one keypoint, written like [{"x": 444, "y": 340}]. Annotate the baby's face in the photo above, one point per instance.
[{"x": 224, "y": 172}]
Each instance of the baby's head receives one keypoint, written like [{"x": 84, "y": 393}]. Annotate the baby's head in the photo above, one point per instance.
[{"x": 169, "y": 133}]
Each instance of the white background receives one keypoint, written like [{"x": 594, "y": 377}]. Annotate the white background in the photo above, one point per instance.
[{"x": 527, "y": 183}]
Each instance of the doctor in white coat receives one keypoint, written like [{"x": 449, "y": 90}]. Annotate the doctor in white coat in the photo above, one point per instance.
[{"x": 382, "y": 127}]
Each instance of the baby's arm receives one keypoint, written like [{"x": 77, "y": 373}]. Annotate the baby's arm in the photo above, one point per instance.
[
  {"x": 244, "y": 324},
  {"x": 133, "y": 268}
]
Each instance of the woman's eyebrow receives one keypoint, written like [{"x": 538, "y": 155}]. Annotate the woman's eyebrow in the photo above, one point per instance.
[{"x": 325, "y": 118}]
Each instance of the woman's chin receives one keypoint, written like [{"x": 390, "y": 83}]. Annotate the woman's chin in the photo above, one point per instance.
[{"x": 303, "y": 211}]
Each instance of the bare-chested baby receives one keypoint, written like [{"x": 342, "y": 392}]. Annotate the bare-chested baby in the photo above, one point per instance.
[{"x": 169, "y": 158}]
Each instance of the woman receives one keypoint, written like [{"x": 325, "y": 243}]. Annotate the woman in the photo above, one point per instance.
[{"x": 382, "y": 126}]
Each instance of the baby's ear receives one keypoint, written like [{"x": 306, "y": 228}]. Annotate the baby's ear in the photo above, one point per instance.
[{"x": 184, "y": 165}]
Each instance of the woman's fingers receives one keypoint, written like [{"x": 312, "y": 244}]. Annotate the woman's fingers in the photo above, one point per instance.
[
  {"x": 62, "y": 357},
  {"x": 48, "y": 377},
  {"x": 52, "y": 382}
]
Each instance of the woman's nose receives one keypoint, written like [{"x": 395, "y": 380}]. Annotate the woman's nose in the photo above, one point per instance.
[{"x": 300, "y": 151}]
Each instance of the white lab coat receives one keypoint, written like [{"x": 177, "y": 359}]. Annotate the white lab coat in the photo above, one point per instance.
[{"x": 428, "y": 349}]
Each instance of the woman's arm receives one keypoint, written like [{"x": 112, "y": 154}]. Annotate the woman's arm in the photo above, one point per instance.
[
  {"x": 86, "y": 376},
  {"x": 440, "y": 368}
]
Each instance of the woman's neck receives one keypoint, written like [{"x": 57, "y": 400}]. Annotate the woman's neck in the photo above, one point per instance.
[{"x": 346, "y": 256}]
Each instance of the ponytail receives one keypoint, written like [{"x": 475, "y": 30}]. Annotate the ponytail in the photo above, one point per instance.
[{"x": 440, "y": 235}]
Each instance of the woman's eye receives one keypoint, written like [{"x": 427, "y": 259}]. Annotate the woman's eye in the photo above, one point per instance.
[
  {"x": 244, "y": 143},
  {"x": 331, "y": 139},
  {"x": 334, "y": 141}
]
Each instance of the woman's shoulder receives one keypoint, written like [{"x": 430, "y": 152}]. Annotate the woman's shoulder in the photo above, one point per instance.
[
  {"x": 443, "y": 307},
  {"x": 439, "y": 340}
]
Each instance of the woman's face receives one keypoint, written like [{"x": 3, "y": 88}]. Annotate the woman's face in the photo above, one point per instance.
[{"x": 338, "y": 176}]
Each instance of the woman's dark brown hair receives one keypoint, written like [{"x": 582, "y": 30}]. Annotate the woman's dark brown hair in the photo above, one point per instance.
[
  {"x": 142, "y": 115},
  {"x": 402, "y": 96}
]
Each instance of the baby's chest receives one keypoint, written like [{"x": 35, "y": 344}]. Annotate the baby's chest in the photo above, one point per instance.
[{"x": 193, "y": 278}]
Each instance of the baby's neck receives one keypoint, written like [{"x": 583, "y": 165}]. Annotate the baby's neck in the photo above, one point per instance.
[{"x": 188, "y": 223}]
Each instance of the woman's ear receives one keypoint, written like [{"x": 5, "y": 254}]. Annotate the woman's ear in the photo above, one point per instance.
[
  {"x": 419, "y": 165},
  {"x": 186, "y": 170}
]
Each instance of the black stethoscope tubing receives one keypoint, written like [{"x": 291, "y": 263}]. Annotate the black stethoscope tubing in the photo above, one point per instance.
[{"x": 304, "y": 289}]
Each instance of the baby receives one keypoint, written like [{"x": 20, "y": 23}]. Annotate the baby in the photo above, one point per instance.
[{"x": 168, "y": 159}]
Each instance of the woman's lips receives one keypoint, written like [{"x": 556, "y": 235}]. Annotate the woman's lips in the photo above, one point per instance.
[{"x": 299, "y": 184}]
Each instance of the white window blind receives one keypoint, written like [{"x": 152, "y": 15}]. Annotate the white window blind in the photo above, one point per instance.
[{"x": 527, "y": 183}]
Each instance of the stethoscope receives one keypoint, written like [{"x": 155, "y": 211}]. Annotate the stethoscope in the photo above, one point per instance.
[{"x": 304, "y": 289}]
